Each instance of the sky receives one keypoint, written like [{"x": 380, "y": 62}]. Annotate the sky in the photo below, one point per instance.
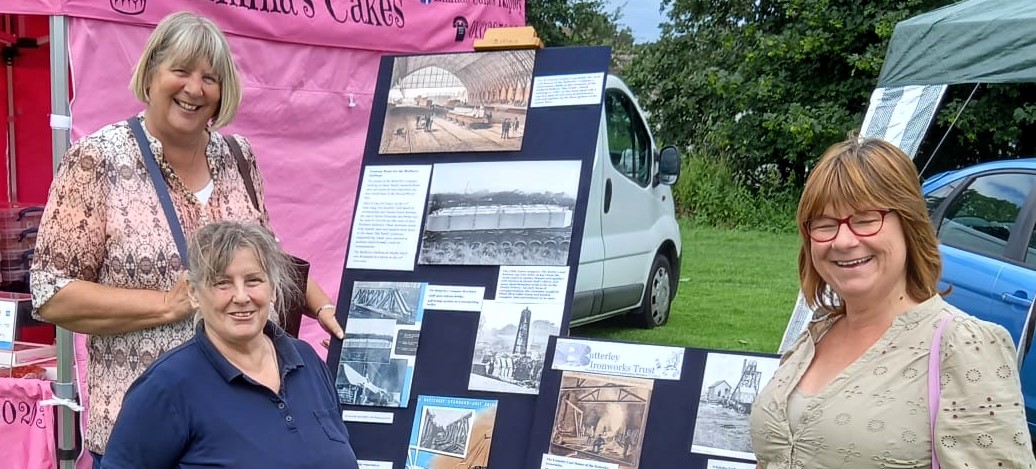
[{"x": 641, "y": 16}]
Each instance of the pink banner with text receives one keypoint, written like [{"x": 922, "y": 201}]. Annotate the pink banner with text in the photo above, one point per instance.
[
  {"x": 377, "y": 25},
  {"x": 305, "y": 109},
  {"x": 26, "y": 426}
]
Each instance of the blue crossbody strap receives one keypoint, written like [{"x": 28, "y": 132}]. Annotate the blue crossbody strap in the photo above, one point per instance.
[{"x": 161, "y": 188}]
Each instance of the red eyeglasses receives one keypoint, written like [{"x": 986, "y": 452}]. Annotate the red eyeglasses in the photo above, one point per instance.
[{"x": 862, "y": 224}]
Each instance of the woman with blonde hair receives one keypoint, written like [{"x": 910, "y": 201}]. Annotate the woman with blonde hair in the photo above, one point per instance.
[
  {"x": 108, "y": 261},
  {"x": 854, "y": 390},
  {"x": 241, "y": 393}
]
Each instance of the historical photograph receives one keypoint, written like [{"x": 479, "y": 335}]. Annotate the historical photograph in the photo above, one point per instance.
[
  {"x": 451, "y": 433},
  {"x": 477, "y": 217},
  {"x": 731, "y": 385},
  {"x": 376, "y": 366},
  {"x": 399, "y": 301},
  {"x": 445, "y": 430},
  {"x": 511, "y": 344},
  {"x": 461, "y": 102},
  {"x": 601, "y": 418},
  {"x": 367, "y": 374}
]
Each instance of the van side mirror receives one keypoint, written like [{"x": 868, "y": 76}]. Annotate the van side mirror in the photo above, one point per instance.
[{"x": 669, "y": 165}]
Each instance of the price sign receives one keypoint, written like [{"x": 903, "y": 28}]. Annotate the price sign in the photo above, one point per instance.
[{"x": 8, "y": 323}]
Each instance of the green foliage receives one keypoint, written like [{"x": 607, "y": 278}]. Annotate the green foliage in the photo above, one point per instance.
[
  {"x": 998, "y": 122},
  {"x": 766, "y": 82},
  {"x": 581, "y": 23},
  {"x": 710, "y": 194}
]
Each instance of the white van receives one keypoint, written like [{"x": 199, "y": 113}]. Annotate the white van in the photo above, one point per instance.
[{"x": 630, "y": 259}]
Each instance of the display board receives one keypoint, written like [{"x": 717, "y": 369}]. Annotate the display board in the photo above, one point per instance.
[
  {"x": 463, "y": 252},
  {"x": 607, "y": 413}
]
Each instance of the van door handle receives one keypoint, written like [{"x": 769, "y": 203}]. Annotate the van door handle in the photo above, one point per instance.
[
  {"x": 607, "y": 195},
  {"x": 1017, "y": 298}
]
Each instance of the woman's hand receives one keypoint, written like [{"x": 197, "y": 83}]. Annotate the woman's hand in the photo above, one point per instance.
[
  {"x": 327, "y": 320},
  {"x": 177, "y": 301}
]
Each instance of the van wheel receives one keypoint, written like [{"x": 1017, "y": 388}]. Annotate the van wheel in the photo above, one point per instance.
[{"x": 654, "y": 309}]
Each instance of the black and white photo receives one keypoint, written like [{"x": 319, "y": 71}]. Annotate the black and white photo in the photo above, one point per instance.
[
  {"x": 731, "y": 384},
  {"x": 500, "y": 213},
  {"x": 511, "y": 344},
  {"x": 445, "y": 430},
  {"x": 376, "y": 365},
  {"x": 401, "y": 302}
]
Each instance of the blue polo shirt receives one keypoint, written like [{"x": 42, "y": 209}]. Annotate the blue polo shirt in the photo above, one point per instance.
[{"x": 191, "y": 409}]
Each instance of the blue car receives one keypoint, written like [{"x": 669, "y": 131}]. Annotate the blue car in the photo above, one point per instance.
[{"x": 984, "y": 216}]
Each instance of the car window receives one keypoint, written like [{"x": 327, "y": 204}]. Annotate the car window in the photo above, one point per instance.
[
  {"x": 628, "y": 142},
  {"x": 1030, "y": 252},
  {"x": 981, "y": 217},
  {"x": 934, "y": 199}
]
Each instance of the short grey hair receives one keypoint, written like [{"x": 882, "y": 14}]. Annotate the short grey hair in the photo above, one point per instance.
[
  {"x": 186, "y": 38},
  {"x": 213, "y": 248}
]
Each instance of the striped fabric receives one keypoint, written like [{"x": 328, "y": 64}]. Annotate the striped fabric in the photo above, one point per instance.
[{"x": 901, "y": 115}]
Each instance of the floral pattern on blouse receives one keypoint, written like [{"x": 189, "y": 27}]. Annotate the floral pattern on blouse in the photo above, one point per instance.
[{"x": 103, "y": 223}]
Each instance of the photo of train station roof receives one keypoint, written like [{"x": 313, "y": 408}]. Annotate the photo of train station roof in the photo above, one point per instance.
[{"x": 465, "y": 102}]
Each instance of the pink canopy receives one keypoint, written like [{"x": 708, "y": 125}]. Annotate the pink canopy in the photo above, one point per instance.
[{"x": 308, "y": 68}]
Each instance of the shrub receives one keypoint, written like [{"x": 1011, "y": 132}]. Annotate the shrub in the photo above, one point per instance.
[{"x": 710, "y": 193}]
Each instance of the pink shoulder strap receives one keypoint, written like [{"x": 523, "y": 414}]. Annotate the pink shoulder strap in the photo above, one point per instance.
[{"x": 934, "y": 385}]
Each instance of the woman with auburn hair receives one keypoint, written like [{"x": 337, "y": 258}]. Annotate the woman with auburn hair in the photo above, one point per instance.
[
  {"x": 107, "y": 261},
  {"x": 854, "y": 390}
]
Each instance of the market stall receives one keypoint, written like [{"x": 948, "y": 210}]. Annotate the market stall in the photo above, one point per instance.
[{"x": 308, "y": 70}]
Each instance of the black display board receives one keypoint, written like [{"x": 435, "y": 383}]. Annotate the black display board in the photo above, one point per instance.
[
  {"x": 671, "y": 415},
  {"x": 447, "y": 338}
]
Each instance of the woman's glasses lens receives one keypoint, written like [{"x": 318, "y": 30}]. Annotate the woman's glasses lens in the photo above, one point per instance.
[{"x": 862, "y": 224}]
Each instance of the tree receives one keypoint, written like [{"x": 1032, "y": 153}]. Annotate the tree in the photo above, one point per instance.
[
  {"x": 765, "y": 83},
  {"x": 581, "y": 23}
]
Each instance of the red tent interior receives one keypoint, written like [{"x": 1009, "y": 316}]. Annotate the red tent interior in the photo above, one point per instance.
[
  {"x": 25, "y": 102},
  {"x": 30, "y": 69}
]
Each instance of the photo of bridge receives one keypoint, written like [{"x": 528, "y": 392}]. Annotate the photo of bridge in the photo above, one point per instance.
[
  {"x": 376, "y": 364},
  {"x": 476, "y": 217},
  {"x": 400, "y": 301}
]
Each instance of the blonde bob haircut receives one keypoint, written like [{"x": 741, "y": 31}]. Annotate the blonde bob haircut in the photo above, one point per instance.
[
  {"x": 185, "y": 38},
  {"x": 866, "y": 174},
  {"x": 214, "y": 246}
]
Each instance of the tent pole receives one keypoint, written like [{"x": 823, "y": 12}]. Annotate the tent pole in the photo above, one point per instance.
[
  {"x": 12, "y": 154},
  {"x": 64, "y": 387}
]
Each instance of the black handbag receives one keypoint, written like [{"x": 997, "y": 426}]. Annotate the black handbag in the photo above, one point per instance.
[{"x": 293, "y": 308}]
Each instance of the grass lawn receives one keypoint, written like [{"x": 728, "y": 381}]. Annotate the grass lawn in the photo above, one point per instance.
[{"x": 737, "y": 290}]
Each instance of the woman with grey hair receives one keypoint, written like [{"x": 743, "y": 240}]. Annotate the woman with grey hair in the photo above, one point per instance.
[
  {"x": 107, "y": 263},
  {"x": 220, "y": 400}
]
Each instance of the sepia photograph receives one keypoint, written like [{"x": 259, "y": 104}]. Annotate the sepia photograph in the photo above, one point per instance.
[
  {"x": 451, "y": 433},
  {"x": 511, "y": 345},
  {"x": 477, "y": 217},
  {"x": 460, "y": 102},
  {"x": 601, "y": 418},
  {"x": 731, "y": 384}
]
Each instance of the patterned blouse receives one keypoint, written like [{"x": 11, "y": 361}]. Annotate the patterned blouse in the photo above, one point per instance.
[
  {"x": 103, "y": 223},
  {"x": 875, "y": 413}
]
